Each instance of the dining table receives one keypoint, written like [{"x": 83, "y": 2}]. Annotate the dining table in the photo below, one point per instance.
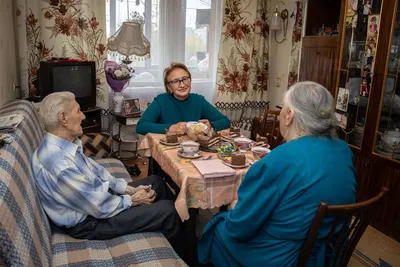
[{"x": 195, "y": 191}]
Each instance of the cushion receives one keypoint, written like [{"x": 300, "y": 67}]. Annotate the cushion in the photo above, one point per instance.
[
  {"x": 96, "y": 145},
  {"x": 144, "y": 249},
  {"x": 115, "y": 168}
]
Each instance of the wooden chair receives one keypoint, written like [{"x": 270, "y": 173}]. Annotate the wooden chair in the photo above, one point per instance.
[
  {"x": 270, "y": 127},
  {"x": 352, "y": 219}
]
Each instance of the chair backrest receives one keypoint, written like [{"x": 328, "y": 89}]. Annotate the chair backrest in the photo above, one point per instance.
[
  {"x": 349, "y": 224},
  {"x": 270, "y": 128}
]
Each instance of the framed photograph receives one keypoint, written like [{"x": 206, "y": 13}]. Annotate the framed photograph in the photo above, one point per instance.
[
  {"x": 342, "y": 118},
  {"x": 131, "y": 106},
  {"x": 373, "y": 25},
  {"x": 367, "y": 7},
  {"x": 342, "y": 99},
  {"x": 365, "y": 85}
]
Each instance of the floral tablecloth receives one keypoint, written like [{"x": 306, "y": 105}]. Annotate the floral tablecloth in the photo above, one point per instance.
[{"x": 196, "y": 192}]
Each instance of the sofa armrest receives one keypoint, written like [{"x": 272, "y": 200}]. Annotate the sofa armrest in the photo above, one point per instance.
[{"x": 115, "y": 167}]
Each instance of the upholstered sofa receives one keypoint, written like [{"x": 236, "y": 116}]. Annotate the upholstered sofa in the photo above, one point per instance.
[{"x": 26, "y": 237}]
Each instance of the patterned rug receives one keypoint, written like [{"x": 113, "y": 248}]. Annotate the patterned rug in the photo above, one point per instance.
[{"x": 377, "y": 250}]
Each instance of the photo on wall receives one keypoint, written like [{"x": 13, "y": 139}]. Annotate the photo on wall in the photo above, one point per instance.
[{"x": 342, "y": 99}]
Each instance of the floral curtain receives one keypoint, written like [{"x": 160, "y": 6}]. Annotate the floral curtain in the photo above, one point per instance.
[
  {"x": 242, "y": 74},
  {"x": 294, "y": 61},
  {"x": 60, "y": 28}
]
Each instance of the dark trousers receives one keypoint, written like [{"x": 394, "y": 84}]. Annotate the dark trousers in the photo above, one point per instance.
[{"x": 159, "y": 216}]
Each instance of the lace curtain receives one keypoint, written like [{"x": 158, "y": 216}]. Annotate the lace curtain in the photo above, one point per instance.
[
  {"x": 68, "y": 28},
  {"x": 169, "y": 44},
  {"x": 243, "y": 61}
]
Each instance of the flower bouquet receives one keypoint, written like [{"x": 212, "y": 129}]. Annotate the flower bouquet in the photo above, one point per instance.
[
  {"x": 117, "y": 75},
  {"x": 117, "y": 78}
]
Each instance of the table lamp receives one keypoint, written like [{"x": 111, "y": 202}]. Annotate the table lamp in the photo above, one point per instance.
[{"x": 130, "y": 41}]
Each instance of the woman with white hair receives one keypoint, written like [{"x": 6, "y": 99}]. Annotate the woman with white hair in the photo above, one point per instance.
[{"x": 280, "y": 193}]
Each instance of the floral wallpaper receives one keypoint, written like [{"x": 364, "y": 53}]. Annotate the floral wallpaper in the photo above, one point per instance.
[
  {"x": 243, "y": 58},
  {"x": 294, "y": 63},
  {"x": 60, "y": 28}
]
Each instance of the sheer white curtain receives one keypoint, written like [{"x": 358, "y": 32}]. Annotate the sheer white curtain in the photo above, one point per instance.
[{"x": 186, "y": 31}]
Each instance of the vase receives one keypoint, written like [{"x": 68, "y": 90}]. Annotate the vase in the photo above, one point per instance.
[{"x": 118, "y": 99}]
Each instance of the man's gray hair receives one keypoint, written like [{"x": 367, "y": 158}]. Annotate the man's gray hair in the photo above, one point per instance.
[
  {"x": 314, "y": 109},
  {"x": 52, "y": 105}
]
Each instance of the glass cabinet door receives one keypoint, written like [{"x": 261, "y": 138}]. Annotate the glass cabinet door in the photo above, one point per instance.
[
  {"x": 387, "y": 137},
  {"x": 356, "y": 68}
]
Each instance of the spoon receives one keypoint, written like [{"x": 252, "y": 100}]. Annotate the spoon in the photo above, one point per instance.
[{"x": 208, "y": 157}]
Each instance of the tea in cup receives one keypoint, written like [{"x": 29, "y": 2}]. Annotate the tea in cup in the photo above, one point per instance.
[
  {"x": 242, "y": 143},
  {"x": 190, "y": 148}
]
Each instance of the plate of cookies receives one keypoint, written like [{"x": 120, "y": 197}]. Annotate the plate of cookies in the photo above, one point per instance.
[{"x": 237, "y": 160}]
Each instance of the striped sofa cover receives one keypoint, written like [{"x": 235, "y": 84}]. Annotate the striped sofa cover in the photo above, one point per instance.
[{"x": 26, "y": 238}]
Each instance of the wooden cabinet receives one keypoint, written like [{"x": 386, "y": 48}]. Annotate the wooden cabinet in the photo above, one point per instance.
[
  {"x": 368, "y": 101},
  {"x": 92, "y": 122},
  {"x": 318, "y": 63}
]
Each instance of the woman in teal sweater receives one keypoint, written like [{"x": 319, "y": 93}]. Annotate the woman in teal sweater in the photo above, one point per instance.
[
  {"x": 280, "y": 194},
  {"x": 173, "y": 109}
]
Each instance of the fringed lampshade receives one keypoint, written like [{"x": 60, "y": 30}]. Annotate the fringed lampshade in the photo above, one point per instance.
[{"x": 130, "y": 41}]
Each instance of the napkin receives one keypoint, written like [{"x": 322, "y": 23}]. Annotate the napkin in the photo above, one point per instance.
[{"x": 213, "y": 168}]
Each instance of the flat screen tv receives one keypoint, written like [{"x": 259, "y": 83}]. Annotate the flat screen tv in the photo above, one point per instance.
[{"x": 73, "y": 76}]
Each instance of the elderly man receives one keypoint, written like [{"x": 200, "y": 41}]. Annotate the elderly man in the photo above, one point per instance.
[{"x": 82, "y": 197}]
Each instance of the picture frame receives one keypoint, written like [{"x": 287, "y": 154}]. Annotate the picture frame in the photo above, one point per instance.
[
  {"x": 342, "y": 119},
  {"x": 342, "y": 99},
  {"x": 131, "y": 106}
]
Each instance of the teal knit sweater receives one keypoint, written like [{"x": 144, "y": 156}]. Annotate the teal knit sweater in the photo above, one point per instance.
[{"x": 166, "y": 110}]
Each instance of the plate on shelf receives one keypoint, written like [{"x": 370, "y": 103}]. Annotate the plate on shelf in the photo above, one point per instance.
[
  {"x": 164, "y": 142},
  {"x": 186, "y": 156}
]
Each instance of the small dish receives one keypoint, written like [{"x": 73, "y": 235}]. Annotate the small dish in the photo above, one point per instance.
[
  {"x": 164, "y": 142},
  {"x": 186, "y": 156},
  {"x": 228, "y": 163}
]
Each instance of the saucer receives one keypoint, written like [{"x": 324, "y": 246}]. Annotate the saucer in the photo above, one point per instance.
[
  {"x": 183, "y": 155},
  {"x": 228, "y": 163},
  {"x": 164, "y": 142}
]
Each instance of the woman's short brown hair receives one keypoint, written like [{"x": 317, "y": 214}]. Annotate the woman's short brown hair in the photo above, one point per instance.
[{"x": 169, "y": 69}]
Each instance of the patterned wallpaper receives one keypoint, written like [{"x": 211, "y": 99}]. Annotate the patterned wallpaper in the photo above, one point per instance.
[{"x": 8, "y": 68}]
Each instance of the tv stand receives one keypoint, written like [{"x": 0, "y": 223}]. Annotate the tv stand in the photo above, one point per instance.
[{"x": 92, "y": 122}]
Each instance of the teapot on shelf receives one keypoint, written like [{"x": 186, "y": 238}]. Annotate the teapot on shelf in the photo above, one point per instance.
[{"x": 391, "y": 139}]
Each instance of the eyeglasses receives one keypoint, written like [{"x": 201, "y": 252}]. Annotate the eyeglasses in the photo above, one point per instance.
[{"x": 176, "y": 83}]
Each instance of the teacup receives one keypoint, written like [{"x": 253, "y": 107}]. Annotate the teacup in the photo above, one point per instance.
[
  {"x": 190, "y": 148},
  {"x": 259, "y": 152},
  {"x": 242, "y": 143}
]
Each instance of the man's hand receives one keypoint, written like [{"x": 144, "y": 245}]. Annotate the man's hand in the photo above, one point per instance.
[
  {"x": 178, "y": 128},
  {"x": 143, "y": 197},
  {"x": 130, "y": 190}
]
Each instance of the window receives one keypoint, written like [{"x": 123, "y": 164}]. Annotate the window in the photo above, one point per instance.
[{"x": 178, "y": 30}]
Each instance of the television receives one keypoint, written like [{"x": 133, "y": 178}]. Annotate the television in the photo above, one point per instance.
[{"x": 78, "y": 77}]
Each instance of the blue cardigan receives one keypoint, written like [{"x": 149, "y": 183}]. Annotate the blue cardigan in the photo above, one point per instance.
[
  {"x": 277, "y": 202},
  {"x": 166, "y": 110}
]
